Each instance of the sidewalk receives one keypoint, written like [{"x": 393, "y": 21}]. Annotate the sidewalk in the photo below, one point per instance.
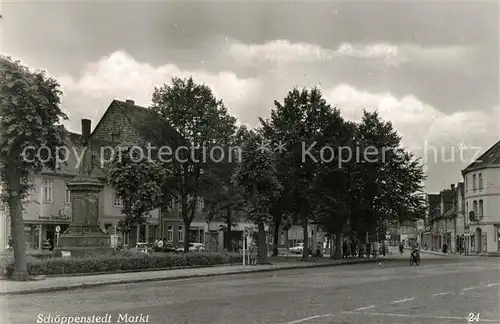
[
  {"x": 47, "y": 284},
  {"x": 445, "y": 255}
]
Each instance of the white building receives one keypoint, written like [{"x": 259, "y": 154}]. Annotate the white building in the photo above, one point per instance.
[{"x": 482, "y": 202}]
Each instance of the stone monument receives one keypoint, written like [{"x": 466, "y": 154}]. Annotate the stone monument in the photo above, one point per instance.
[{"x": 84, "y": 236}]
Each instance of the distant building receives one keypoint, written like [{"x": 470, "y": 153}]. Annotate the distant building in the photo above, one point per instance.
[
  {"x": 482, "y": 202},
  {"x": 440, "y": 219}
]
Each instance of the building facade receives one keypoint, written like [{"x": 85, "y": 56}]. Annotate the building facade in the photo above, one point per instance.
[{"x": 482, "y": 203}]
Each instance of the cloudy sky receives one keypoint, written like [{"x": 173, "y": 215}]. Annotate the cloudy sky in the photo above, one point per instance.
[{"x": 430, "y": 68}]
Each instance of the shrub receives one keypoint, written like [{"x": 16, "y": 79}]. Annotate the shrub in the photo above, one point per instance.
[
  {"x": 125, "y": 262},
  {"x": 40, "y": 254}
]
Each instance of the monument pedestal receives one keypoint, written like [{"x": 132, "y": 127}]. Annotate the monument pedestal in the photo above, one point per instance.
[{"x": 84, "y": 237}]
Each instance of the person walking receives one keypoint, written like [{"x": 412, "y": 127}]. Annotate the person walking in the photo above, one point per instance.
[
  {"x": 353, "y": 249},
  {"x": 445, "y": 248},
  {"x": 368, "y": 249},
  {"x": 344, "y": 249}
]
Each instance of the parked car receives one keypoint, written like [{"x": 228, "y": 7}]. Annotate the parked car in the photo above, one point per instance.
[
  {"x": 142, "y": 247},
  {"x": 169, "y": 247},
  {"x": 298, "y": 249},
  {"x": 193, "y": 247},
  {"x": 196, "y": 247}
]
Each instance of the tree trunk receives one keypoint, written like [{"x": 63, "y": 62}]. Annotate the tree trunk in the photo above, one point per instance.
[
  {"x": 229, "y": 228},
  {"x": 17, "y": 227},
  {"x": 338, "y": 246},
  {"x": 276, "y": 238},
  {"x": 262, "y": 244},
  {"x": 332, "y": 245},
  {"x": 305, "y": 251},
  {"x": 187, "y": 224}
]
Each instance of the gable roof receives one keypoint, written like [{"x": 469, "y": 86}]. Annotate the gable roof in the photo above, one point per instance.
[
  {"x": 488, "y": 158},
  {"x": 141, "y": 119}
]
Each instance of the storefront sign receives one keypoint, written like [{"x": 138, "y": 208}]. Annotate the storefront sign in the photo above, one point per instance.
[
  {"x": 420, "y": 225},
  {"x": 54, "y": 217}
]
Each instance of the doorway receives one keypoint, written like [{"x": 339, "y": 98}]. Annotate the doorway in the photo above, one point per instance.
[{"x": 478, "y": 237}]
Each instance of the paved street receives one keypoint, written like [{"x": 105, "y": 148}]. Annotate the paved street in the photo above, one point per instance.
[{"x": 440, "y": 290}]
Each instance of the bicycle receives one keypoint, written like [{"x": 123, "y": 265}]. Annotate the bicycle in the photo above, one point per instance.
[{"x": 415, "y": 258}]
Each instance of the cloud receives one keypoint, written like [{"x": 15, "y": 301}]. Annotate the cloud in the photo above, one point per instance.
[
  {"x": 415, "y": 120},
  {"x": 283, "y": 52},
  {"x": 120, "y": 76},
  {"x": 446, "y": 143}
]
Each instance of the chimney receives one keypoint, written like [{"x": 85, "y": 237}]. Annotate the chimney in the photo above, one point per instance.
[
  {"x": 130, "y": 102},
  {"x": 85, "y": 130}
]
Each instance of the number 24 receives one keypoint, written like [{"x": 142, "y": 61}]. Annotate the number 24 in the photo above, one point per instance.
[{"x": 473, "y": 317}]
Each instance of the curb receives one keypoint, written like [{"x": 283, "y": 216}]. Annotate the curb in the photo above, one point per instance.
[{"x": 171, "y": 278}]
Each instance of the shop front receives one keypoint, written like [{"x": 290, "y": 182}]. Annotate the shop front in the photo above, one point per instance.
[{"x": 38, "y": 232}]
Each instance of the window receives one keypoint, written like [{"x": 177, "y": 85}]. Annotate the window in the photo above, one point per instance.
[
  {"x": 474, "y": 207},
  {"x": 201, "y": 204},
  {"x": 170, "y": 234},
  {"x": 68, "y": 195},
  {"x": 47, "y": 191},
  {"x": 480, "y": 180},
  {"x": 481, "y": 210},
  {"x": 117, "y": 200},
  {"x": 466, "y": 183},
  {"x": 282, "y": 239},
  {"x": 181, "y": 234},
  {"x": 474, "y": 184},
  {"x": 466, "y": 208}
]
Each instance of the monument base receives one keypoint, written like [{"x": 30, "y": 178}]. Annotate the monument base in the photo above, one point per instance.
[{"x": 83, "y": 241}]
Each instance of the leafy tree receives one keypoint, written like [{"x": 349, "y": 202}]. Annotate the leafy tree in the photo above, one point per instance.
[
  {"x": 298, "y": 123},
  {"x": 221, "y": 200},
  {"x": 334, "y": 185},
  {"x": 201, "y": 121},
  {"x": 138, "y": 182},
  {"x": 390, "y": 176},
  {"x": 29, "y": 118},
  {"x": 255, "y": 180}
]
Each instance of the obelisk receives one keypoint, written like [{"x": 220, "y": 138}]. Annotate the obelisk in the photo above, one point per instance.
[{"x": 84, "y": 236}]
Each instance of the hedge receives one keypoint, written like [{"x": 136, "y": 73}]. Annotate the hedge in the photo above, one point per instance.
[{"x": 127, "y": 262}]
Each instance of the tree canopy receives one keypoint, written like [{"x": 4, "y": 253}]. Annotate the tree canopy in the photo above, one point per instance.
[{"x": 30, "y": 132}]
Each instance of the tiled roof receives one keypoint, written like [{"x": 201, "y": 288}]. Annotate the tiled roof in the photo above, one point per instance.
[
  {"x": 434, "y": 199},
  {"x": 142, "y": 118},
  {"x": 491, "y": 156}
]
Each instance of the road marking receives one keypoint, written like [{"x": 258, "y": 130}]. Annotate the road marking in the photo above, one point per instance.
[
  {"x": 402, "y": 300},
  {"x": 309, "y": 318},
  {"x": 441, "y": 294},
  {"x": 361, "y": 308},
  {"x": 493, "y": 284},
  {"x": 420, "y": 316},
  {"x": 470, "y": 288}
]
